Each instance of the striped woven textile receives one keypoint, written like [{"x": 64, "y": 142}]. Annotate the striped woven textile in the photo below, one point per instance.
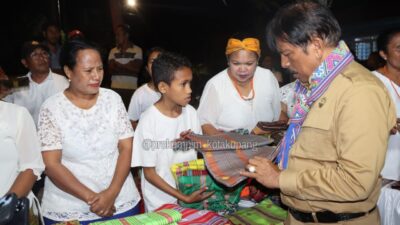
[
  {"x": 162, "y": 217},
  {"x": 263, "y": 213},
  {"x": 226, "y": 154},
  {"x": 192, "y": 176},
  {"x": 196, "y": 217}
]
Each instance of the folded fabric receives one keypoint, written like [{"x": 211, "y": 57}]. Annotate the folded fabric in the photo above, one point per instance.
[
  {"x": 193, "y": 175},
  {"x": 226, "y": 154},
  {"x": 196, "y": 217},
  {"x": 265, "y": 212},
  {"x": 162, "y": 217}
]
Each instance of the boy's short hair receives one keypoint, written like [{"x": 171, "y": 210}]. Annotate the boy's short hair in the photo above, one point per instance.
[{"x": 165, "y": 66}]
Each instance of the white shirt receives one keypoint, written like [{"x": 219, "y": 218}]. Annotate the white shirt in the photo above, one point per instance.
[
  {"x": 222, "y": 106},
  {"x": 19, "y": 145},
  {"x": 88, "y": 140},
  {"x": 142, "y": 99},
  {"x": 32, "y": 97},
  {"x": 152, "y": 148},
  {"x": 391, "y": 168},
  {"x": 131, "y": 54}
]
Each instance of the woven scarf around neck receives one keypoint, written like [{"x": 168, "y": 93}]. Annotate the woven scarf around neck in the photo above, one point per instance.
[{"x": 319, "y": 83}]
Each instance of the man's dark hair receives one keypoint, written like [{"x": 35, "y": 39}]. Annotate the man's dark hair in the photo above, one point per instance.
[
  {"x": 165, "y": 66},
  {"x": 125, "y": 27},
  {"x": 298, "y": 23}
]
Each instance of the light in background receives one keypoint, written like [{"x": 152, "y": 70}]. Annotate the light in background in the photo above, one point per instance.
[{"x": 131, "y": 3}]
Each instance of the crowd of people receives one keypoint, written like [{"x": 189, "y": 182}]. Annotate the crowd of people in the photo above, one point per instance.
[{"x": 342, "y": 139}]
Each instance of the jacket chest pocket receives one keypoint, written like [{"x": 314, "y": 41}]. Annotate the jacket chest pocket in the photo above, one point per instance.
[{"x": 316, "y": 139}]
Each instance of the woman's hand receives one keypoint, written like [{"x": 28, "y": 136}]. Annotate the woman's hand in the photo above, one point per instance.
[
  {"x": 103, "y": 203},
  {"x": 197, "y": 196}
]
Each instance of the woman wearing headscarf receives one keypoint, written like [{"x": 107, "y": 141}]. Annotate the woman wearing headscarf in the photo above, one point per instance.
[{"x": 241, "y": 95}]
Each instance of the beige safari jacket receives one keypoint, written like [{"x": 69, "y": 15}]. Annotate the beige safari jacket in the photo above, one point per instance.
[{"x": 337, "y": 158}]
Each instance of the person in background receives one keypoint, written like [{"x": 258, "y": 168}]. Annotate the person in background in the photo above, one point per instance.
[
  {"x": 332, "y": 154},
  {"x": 86, "y": 140},
  {"x": 52, "y": 39},
  {"x": 388, "y": 47},
  {"x": 21, "y": 163},
  {"x": 146, "y": 95},
  {"x": 124, "y": 61},
  {"x": 166, "y": 120},
  {"x": 269, "y": 63},
  {"x": 241, "y": 95},
  {"x": 43, "y": 82}
]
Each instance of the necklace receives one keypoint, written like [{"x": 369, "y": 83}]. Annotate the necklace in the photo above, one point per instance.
[{"x": 253, "y": 94}]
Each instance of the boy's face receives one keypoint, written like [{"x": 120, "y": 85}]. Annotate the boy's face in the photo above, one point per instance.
[{"x": 179, "y": 91}]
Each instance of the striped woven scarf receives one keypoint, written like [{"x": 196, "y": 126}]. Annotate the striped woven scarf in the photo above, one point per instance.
[{"x": 319, "y": 83}]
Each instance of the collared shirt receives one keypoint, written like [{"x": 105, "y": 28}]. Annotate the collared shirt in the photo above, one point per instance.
[
  {"x": 337, "y": 158},
  {"x": 32, "y": 97}
]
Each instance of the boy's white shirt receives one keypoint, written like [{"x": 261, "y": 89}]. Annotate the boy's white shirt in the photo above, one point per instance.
[{"x": 153, "y": 140}]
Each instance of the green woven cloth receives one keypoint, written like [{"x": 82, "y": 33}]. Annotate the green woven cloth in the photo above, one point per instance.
[
  {"x": 162, "y": 217},
  {"x": 264, "y": 213},
  {"x": 191, "y": 176}
]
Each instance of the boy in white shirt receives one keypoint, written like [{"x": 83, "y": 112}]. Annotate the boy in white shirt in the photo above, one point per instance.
[{"x": 159, "y": 126}]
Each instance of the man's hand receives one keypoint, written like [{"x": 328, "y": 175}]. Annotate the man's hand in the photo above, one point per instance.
[{"x": 264, "y": 171}]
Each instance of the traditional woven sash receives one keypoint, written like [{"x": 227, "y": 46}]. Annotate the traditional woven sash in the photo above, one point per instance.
[{"x": 319, "y": 83}]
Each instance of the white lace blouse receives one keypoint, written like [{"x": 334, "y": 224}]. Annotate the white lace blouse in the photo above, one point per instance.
[{"x": 89, "y": 143}]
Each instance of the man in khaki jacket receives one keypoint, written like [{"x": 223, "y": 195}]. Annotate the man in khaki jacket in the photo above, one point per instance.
[{"x": 334, "y": 149}]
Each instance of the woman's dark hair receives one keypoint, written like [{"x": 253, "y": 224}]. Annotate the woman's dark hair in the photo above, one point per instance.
[
  {"x": 298, "y": 23},
  {"x": 165, "y": 66},
  {"x": 70, "y": 50},
  {"x": 385, "y": 37}
]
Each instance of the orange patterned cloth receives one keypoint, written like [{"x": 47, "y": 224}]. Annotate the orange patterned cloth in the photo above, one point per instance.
[{"x": 249, "y": 44}]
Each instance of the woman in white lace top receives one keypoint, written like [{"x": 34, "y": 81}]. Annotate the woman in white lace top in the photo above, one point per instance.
[{"x": 86, "y": 142}]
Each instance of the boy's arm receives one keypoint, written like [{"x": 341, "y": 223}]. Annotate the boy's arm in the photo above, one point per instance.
[{"x": 151, "y": 175}]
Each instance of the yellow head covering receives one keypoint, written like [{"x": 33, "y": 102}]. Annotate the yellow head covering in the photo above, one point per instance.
[{"x": 250, "y": 44}]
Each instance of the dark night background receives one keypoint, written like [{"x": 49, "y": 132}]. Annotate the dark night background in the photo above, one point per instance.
[{"x": 198, "y": 29}]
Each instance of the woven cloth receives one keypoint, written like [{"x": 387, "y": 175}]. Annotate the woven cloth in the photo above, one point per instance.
[
  {"x": 191, "y": 176},
  {"x": 264, "y": 212},
  {"x": 162, "y": 217},
  {"x": 226, "y": 154},
  {"x": 196, "y": 217}
]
